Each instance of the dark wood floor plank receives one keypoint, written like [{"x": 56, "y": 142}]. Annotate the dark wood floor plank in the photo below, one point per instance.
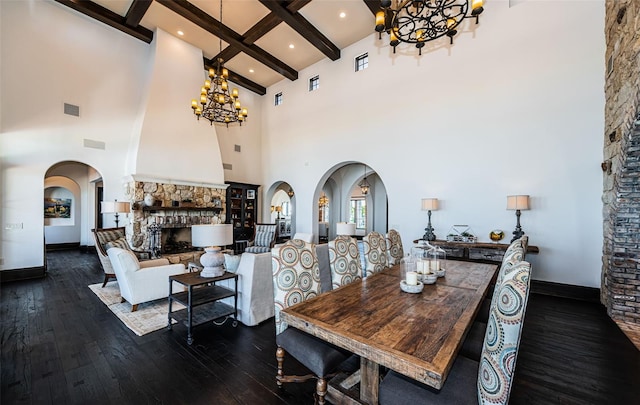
[{"x": 61, "y": 345}]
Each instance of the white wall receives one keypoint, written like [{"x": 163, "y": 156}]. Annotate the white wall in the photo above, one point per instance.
[
  {"x": 52, "y": 55},
  {"x": 514, "y": 108},
  {"x": 63, "y": 230}
]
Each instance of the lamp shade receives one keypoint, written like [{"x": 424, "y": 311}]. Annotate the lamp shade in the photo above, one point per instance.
[
  {"x": 107, "y": 207},
  {"x": 122, "y": 207},
  {"x": 518, "y": 202},
  {"x": 429, "y": 204},
  {"x": 343, "y": 228},
  {"x": 211, "y": 235}
]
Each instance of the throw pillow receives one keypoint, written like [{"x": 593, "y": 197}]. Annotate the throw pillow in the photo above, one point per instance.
[
  {"x": 231, "y": 262},
  {"x": 118, "y": 243}
]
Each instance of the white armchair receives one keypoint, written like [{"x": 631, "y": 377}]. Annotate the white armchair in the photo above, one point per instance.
[{"x": 142, "y": 281}]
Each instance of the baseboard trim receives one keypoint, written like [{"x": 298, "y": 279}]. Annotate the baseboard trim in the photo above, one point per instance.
[
  {"x": 22, "y": 274},
  {"x": 62, "y": 246},
  {"x": 575, "y": 292}
]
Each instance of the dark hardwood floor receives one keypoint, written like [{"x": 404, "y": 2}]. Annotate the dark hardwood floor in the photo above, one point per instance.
[{"x": 61, "y": 345}]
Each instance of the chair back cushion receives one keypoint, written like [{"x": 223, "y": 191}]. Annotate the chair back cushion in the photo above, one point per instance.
[
  {"x": 502, "y": 337},
  {"x": 375, "y": 253},
  {"x": 514, "y": 254},
  {"x": 296, "y": 276},
  {"x": 344, "y": 261},
  {"x": 104, "y": 235},
  {"x": 264, "y": 238},
  {"x": 394, "y": 247},
  {"x": 123, "y": 260},
  {"x": 117, "y": 243}
]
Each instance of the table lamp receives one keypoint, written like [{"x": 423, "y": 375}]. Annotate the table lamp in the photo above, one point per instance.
[
  {"x": 115, "y": 207},
  {"x": 344, "y": 228},
  {"x": 517, "y": 202},
  {"x": 211, "y": 238},
  {"x": 429, "y": 204}
]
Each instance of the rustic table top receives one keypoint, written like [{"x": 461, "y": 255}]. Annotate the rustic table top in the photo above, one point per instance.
[{"x": 418, "y": 335}]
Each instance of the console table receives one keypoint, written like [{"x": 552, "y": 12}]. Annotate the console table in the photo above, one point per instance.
[{"x": 485, "y": 252}]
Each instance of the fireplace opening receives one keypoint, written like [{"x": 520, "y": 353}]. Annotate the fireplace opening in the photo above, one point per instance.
[{"x": 176, "y": 240}]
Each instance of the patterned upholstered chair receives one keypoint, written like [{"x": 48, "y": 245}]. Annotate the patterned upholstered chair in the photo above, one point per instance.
[
  {"x": 375, "y": 253},
  {"x": 296, "y": 278},
  {"x": 394, "y": 247},
  {"x": 488, "y": 381},
  {"x": 263, "y": 239},
  {"x": 344, "y": 261},
  {"x": 106, "y": 238}
]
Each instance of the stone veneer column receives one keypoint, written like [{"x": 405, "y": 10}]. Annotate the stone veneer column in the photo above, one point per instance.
[{"x": 620, "y": 289}]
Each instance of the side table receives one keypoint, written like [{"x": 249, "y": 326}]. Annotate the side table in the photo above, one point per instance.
[{"x": 202, "y": 300}]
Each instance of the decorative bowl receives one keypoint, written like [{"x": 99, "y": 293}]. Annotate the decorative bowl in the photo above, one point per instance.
[
  {"x": 441, "y": 272},
  {"x": 412, "y": 289},
  {"x": 429, "y": 278}
]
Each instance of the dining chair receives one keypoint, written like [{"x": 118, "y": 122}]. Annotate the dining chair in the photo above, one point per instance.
[
  {"x": 296, "y": 278},
  {"x": 344, "y": 261},
  {"x": 394, "y": 247},
  {"x": 489, "y": 380},
  {"x": 375, "y": 253}
]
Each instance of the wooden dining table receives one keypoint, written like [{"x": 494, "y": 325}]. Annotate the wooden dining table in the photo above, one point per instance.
[{"x": 415, "y": 334}]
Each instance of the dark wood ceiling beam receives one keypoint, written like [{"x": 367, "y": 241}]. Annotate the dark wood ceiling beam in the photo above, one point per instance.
[
  {"x": 374, "y": 5},
  {"x": 240, "y": 80},
  {"x": 136, "y": 11},
  {"x": 210, "y": 24},
  {"x": 303, "y": 27},
  {"x": 108, "y": 17}
]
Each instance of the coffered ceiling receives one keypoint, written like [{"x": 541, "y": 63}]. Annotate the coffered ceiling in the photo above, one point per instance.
[{"x": 263, "y": 41}]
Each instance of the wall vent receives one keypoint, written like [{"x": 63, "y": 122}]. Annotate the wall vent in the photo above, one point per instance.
[
  {"x": 71, "y": 109},
  {"x": 227, "y": 166},
  {"x": 90, "y": 143},
  {"x": 237, "y": 148}
]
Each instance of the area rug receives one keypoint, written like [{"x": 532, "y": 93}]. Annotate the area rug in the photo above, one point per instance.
[{"x": 149, "y": 317}]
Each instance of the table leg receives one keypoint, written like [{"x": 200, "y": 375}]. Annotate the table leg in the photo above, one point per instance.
[
  {"x": 189, "y": 315},
  {"x": 370, "y": 378}
]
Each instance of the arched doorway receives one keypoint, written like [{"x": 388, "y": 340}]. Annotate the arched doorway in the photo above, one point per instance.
[
  {"x": 341, "y": 198},
  {"x": 282, "y": 209},
  {"x": 72, "y": 192}
]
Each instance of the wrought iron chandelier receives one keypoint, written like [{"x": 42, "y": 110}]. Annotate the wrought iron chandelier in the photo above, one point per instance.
[
  {"x": 218, "y": 104},
  {"x": 364, "y": 184},
  {"x": 419, "y": 21}
]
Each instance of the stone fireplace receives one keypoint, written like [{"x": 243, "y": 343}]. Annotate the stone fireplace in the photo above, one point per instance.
[
  {"x": 620, "y": 291},
  {"x": 165, "y": 227}
]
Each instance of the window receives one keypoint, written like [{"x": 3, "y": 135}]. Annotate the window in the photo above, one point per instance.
[
  {"x": 314, "y": 83},
  {"x": 358, "y": 213},
  {"x": 362, "y": 62},
  {"x": 277, "y": 99}
]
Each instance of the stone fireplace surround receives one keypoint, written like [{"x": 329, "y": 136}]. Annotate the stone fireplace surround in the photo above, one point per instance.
[{"x": 206, "y": 206}]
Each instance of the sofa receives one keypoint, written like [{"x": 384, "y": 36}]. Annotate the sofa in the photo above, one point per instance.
[
  {"x": 143, "y": 281},
  {"x": 255, "y": 288}
]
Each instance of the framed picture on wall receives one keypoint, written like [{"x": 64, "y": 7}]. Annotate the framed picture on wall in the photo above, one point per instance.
[
  {"x": 57, "y": 208},
  {"x": 251, "y": 194}
]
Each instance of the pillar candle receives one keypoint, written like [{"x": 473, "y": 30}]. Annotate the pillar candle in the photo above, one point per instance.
[{"x": 412, "y": 278}]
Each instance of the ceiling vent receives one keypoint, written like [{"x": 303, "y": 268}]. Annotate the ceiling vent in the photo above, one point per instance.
[{"x": 71, "y": 109}]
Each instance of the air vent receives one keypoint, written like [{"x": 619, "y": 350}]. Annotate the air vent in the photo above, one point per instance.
[
  {"x": 227, "y": 166},
  {"x": 71, "y": 109},
  {"x": 237, "y": 148},
  {"x": 90, "y": 143}
]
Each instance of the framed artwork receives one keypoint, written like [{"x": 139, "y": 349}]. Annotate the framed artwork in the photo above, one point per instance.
[
  {"x": 251, "y": 194},
  {"x": 57, "y": 208}
]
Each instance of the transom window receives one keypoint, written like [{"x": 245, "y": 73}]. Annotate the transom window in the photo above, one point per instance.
[
  {"x": 314, "y": 83},
  {"x": 362, "y": 62}
]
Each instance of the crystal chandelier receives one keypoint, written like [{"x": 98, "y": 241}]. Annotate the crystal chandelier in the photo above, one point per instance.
[
  {"x": 419, "y": 21},
  {"x": 218, "y": 104}
]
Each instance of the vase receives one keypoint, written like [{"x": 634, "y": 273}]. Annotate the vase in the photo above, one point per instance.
[{"x": 149, "y": 200}]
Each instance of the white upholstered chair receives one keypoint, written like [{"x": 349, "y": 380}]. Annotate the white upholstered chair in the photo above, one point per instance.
[{"x": 142, "y": 281}]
